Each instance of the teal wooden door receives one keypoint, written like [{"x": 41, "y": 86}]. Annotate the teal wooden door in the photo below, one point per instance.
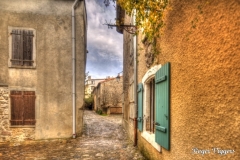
[
  {"x": 162, "y": 101},
  {"x": 140, "y": 107}
]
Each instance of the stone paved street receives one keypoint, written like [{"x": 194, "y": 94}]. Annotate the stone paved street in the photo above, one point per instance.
[{"x": 103, "y": 139}]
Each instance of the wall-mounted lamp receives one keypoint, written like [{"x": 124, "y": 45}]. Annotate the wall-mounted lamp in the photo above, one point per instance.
[{"x": 118, "y": 76}]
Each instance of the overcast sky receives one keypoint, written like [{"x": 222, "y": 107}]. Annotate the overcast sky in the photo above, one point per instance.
[{"x": 105, "y": 49}]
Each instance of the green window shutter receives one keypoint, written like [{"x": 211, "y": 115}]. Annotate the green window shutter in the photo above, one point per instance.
[
  {"x": 140, "y": 107},
  {"x": 162, "y": 94}
]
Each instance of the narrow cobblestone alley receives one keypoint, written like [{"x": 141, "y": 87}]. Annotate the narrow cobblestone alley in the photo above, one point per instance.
[{"x": 103, "y": 139}]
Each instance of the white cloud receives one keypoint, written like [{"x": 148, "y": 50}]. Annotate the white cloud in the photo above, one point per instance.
[{"x": 104, "y": 45}]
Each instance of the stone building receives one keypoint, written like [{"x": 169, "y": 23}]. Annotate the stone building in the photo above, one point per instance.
[
  {"x": 90, "y": 84},
  {"x": 42, "y": 66},
  {"x": 108, "y": 96},
  {"x": 184, "y": 101}
]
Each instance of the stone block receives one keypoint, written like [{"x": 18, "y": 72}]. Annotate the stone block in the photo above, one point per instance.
[
  {"x": 4, "y": 117},
  {"x": 4, "y": 106},
  {"x": 1, "y": 111},
  {"x": 6, "y": 133},
  {"x": 3, "y": 102},
  {"x": 5, "y": 96},
  {"x": 5, "y": 111}
]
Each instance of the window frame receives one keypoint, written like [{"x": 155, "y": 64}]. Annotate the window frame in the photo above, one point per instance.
[
  {"x": 149, "y": 136},
  {"x": 10, "y": 64},
  {"x": 150, "y": 101}
]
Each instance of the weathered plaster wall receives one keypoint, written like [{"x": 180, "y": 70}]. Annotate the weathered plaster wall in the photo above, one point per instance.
[
  {"x": 52, "y": 78},
  {"x": 128, "y": 70},
  {"x": 201, "y": 41}
]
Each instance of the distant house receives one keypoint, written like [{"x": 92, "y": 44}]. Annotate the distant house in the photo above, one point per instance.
[
  {"x": 108, "y": 96},
  {"x": 90, "y": 84},
  {"x": 42, "y": 66},
  {"x": 184, "y": 101}
]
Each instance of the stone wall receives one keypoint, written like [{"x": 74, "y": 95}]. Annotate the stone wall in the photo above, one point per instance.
[
  {"x": 8, "y": 133},
  {"x": 108, "y": 96},
  {"x": 5, "y": 132},
  {"x": 116, "y": 110},
  {"x": 22, "y": 134}
]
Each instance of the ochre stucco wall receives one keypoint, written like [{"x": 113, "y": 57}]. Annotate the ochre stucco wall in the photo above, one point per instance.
[
  {"x": 201, "y": 41},
  {"x": 52, "y": 77}
]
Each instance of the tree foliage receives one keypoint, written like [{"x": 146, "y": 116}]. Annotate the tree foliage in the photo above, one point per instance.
[
  {"x": 149, "y": 15},
  {"x": 88, "y": 101}
]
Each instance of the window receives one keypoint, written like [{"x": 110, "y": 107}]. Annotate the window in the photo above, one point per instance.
[
  {"x": 150, "y": 110},
  {"x": 147, "y": 107},
  {"x": 22, "y": 47},
  {"x": 22, "y": 108},
  {"x": 153, "y": 106}
]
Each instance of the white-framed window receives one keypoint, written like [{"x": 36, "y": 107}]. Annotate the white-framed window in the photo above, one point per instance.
[
  {"x": 148, "y": 82},
  {"x": 154, "y": 106},
  {"x": 22, "y": 47}
]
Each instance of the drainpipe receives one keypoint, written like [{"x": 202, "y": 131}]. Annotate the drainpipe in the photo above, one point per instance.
[
  {"x": 74, "y": 69},
  {"x": 135, "y": 79}
]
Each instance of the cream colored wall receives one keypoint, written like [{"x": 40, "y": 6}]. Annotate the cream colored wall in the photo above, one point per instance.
[
  {"x": 52, "y": 78},
  {"x": 88, "y": 85},
  {"x": 201, "y": 41}
]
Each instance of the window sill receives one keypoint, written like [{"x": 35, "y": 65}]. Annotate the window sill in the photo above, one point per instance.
[
  {"x": 23, "y": 67},
  {"x": 150, "y": 137},
  {"x": 3, "y": 85},
  {"x": 23, "y": 126}
]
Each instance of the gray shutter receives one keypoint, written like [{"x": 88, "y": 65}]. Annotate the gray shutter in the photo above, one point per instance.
[
  {"x": 17, "y": 47},
  {"x": 27, "y": 47},
  {"x": 162, "y": 95},
  {"x": 22, "y": 47}
]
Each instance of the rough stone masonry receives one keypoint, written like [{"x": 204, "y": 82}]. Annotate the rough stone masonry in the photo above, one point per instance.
[
  {"x": 8, "y": 133},
  {"x": 4, "y": 114}
]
